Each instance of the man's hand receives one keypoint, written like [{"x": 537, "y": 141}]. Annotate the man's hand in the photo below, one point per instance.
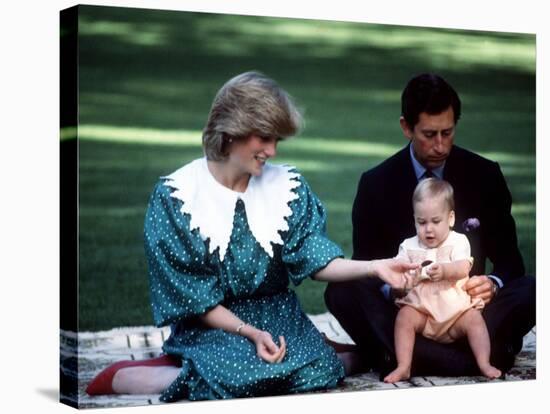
[{"x": 480, "y": 286}]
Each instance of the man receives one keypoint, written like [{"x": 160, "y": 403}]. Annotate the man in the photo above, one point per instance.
[{"x": 383, "y": 216}]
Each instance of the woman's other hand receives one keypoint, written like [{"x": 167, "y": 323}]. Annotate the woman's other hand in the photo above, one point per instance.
[
  {"x": 221, "y": 317},
  {"x": 267, "y": 349}
]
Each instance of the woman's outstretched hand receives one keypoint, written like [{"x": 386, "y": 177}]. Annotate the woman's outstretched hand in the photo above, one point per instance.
[
  {"x": 267, "y": 349},
  {"x": 395, "y": 272}
]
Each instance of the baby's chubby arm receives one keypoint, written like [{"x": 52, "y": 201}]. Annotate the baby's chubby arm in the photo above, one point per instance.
[{"x": 452, "y": 271}]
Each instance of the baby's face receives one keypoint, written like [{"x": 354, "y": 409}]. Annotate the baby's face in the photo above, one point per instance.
[{"x": 433, "y": 221}]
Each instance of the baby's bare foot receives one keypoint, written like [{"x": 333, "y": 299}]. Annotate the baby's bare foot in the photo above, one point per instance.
[
  {"x": 398, "y": 374},
  {"x": 490, "y": 371}
]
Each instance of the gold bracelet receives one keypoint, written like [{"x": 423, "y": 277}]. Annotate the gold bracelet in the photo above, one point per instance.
[{"x": 241, "y": 326}]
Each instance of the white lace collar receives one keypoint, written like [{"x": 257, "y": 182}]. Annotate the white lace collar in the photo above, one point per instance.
[{"x": 212, "y": 205}]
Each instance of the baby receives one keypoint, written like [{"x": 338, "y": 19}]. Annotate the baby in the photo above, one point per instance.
[{"x": 436, "y": 304}]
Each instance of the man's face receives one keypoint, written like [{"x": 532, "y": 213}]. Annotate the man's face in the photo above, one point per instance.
[{"x": 432, "y": 137}]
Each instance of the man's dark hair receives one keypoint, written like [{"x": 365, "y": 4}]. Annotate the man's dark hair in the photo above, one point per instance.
[{"x": 428, "y": 93}]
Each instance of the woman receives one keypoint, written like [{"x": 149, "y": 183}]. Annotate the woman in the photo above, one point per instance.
[{"x": 223, "y": 236}]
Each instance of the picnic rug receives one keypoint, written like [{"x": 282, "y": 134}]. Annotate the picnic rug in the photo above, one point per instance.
[{"x": 85, "y": 354}]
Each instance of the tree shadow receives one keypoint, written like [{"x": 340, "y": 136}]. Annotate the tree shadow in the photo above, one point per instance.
[{"x": 347, "y": 76}]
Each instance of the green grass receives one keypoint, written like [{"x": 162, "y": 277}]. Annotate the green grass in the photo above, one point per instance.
[{"x": 147, "y": 79}]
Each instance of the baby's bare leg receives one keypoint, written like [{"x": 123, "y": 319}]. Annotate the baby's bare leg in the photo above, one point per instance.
[
  {"x": 409, "y": 321},
  {"x": 472, "y": 325}
]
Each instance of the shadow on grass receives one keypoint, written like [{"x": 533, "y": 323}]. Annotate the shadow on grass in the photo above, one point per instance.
[{"x": 169, "y": 80}]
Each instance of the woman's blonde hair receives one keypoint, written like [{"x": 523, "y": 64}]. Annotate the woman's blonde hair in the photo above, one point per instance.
[
  {"x": 249, "y": 103},
  {"x": 434, "y": 187}
]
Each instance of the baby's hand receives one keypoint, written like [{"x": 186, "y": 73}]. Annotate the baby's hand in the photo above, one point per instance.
[
  {"x": 436, "y": 272},
  {"x": 422, "y": 274}
]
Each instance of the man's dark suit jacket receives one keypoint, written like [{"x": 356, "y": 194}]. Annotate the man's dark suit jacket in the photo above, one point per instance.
[{"x": 383, "y": 213}]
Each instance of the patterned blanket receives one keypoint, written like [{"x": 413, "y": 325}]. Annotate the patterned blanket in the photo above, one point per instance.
[{"x": 86, "y": 354}]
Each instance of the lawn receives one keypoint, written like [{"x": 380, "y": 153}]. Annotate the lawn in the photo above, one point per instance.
[{"x": 147, "y": 79}]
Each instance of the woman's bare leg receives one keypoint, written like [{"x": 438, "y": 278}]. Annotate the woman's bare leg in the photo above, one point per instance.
[
  {"x": 409, "y": 321},
  {"x": 144, "y": 380},
  {"x": 472, "y": 325}
]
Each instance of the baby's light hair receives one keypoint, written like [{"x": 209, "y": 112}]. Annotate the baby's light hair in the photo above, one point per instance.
[{"x": 434, "y": 187}]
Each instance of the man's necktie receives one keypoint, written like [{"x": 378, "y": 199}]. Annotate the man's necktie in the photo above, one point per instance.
[{"x": 428, "y": 174}]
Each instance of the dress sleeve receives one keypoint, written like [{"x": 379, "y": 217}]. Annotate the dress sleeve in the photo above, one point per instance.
[
  {"x": 461, "y": 248},
  {"x": 182, "y": 284},
  {"x": 307, "y": 249},
  {"x": 402, "y": 253}
]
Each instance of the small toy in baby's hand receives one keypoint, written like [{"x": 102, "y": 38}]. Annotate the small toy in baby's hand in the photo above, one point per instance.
[
  {"x": 423, "y": 274},
  {"x": 420, "y": 274}
]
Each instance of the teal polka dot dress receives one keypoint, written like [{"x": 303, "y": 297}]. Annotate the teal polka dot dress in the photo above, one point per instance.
[{"x": 187, "y": 280}]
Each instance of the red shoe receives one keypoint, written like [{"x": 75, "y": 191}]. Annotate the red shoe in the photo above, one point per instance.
[{"x": 103, "y": 382}]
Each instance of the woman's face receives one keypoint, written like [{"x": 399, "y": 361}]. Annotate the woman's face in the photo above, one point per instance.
[{"x": 250, "y": 154}]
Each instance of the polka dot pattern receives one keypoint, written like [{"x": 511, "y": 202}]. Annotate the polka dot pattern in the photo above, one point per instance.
[{"x": 186, "y": 280}]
